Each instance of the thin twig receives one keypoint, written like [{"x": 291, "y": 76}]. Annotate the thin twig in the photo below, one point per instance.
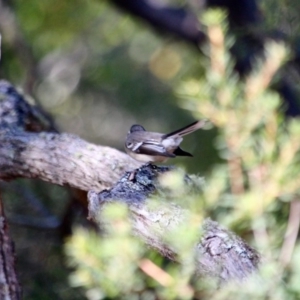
[
  {"x": 158, "y": 274},
  {"x": 236, "y": 176},
  {"x": 290, "y": 234}
]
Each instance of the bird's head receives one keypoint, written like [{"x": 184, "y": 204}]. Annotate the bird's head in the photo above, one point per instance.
[{"x": 136, "y": 127}]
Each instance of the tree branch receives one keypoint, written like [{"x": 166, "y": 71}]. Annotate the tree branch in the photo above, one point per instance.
[
  {"x": 28, "y": 151},
  {"x": 9, "y": 285},
  {"x": 219, "y": 254},
  {"x": 182, "y": 23},
  {"x": 62, "y": 159}
]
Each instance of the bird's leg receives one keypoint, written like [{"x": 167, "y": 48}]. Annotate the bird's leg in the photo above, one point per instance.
[
  {"x": 148, "y": 164},
  {"x": 133, "y": 173}
]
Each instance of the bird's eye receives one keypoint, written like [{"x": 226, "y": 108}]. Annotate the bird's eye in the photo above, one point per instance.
[{"x": 129, "y": 145}]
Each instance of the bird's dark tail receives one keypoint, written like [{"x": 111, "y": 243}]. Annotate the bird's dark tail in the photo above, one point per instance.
[
  {"x": 180, "y": 152},
  {"x": 187, "y": 129}
]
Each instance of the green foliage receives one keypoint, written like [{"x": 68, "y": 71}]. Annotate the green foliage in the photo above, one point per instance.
[
  {"x": 107, "y": 265},
  {"x": 248, "y": 193},
  {"x": 117, "y": 264}
]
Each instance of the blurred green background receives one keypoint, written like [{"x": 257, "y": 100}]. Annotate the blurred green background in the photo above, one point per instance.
[{"x": 97, "y": 71}]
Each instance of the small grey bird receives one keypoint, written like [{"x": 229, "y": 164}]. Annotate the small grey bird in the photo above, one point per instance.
[{"x": 146, "y": 146}]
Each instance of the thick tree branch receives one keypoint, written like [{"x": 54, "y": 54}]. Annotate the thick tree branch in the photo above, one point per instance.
[
  {"x": 219, "y": 254},
  {"x": 28, "y": 151},
  {"x": 9, "y": 285},
  {"x": 175, "y": 20},
  {"x": 62, "y": 159}
]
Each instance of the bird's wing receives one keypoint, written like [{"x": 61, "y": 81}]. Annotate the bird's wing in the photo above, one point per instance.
[
  {"x": 153, "y": 148},
  {"x": 136, "y": 146}
]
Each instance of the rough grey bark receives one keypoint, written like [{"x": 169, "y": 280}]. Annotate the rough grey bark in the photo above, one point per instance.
[
  {"x": 62, "y": 159},
  {"x": 9, "y": 285},
  {"x": 220, "y": 254}
]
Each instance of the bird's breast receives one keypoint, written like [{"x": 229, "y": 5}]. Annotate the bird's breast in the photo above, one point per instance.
[{"x": 146, "y": 158}]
